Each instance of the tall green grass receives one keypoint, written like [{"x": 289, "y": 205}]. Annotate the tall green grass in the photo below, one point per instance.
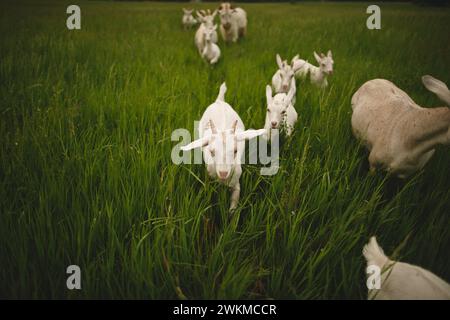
[{"x": 86, "y": 176}]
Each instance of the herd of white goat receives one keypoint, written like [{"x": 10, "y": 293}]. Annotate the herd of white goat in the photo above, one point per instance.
[{"x": 400, "y": 135}]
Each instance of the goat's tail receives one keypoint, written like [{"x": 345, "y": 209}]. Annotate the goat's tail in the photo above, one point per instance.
[
  {"x": 223, "y": 89},
  {"x": 374, "y": 253}
]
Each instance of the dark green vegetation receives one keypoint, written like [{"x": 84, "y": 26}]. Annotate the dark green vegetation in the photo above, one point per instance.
[{"x": 86, "y": 176}]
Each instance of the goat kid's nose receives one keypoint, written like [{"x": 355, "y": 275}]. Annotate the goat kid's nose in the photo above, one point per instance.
[
  {"x": 274, "y": 124},
  {"x": 223, "y": 174}
]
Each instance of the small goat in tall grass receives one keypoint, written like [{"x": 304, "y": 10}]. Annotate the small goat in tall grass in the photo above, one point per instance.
[{"x": 222, "y": 139}]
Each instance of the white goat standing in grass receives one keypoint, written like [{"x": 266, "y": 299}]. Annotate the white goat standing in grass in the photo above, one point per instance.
[
  {"x": 400, "y": 135},
  {"x": 403, "y": 281},
  {"x": 282, "y": 79},
  {"x": 280, "y": 113},
  {"x": 188, "y": 20},
  {"x": 233, "y": 22},
  {"x": 211, "y": 51},
  {"x": 206, "y": 19},
  {"x": 222, "y": 139},
  {"x": 318, "y": 75}
]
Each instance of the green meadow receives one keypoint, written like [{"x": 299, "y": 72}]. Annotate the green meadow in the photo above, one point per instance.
[{"x": 86, "y": 177}]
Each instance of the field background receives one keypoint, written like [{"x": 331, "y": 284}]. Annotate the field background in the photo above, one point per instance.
[{"x": 86, "y": 176}]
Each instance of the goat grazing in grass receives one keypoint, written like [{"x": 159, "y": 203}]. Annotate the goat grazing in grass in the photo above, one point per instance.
[
  {"x": 400, "y": 135},
  {"x": 402, "y": 281},
  {"x": 222, "y": 139},
  {"x": 233, "y": 22},
  {"x": 318, "y": 75}
]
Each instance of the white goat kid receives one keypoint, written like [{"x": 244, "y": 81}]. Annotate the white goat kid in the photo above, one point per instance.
[
  {"x": 206, "y": 19},
  {"x": 211, "y": 51},
  {"x": 403, "y": 281},
  {"x": 318, "y": 75},
  {"x": 282, "y": 79},
  {"x": 188, "y": 20},
  {"x": 222, "y": 139},
  {"x": 400, "y": 135},
  {"x": 233, "y": 22},
  {"x": 281, "y": 113}
]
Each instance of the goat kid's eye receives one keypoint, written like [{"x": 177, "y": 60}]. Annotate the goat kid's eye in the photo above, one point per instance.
[
  {"x": 213, "y": 153},
  {"x": 268, "y": 110},
  {"x": 283, "y": 112}
]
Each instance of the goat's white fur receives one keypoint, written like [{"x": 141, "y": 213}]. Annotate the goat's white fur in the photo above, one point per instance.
[
  {"x": 206, "y": 19},
  {"x": 280, "y": 112},
  {"x": 282, "y": 79},
  {"x": 400, "y": 135},
  {"x": 233, "y": 22},
  {"x": 222, "y": 134},
  {"x": 188, "y": 20},
  {"x": 318, "y": 75},
  {"x": 211, "y": 51},
  {"x": 403, "y": 281}
]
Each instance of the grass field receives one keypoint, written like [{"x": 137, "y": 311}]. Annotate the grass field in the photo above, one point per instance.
[{"x": 86, "y": 176}]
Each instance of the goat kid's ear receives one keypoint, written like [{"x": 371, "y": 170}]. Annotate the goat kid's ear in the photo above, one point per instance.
[
  {"x": 249, "y": 134},
  {"x": 269, "y": 94},
  {"x": 279, "y": 62},
  {"x": 294, "y": 58},
  {"x": 196, "y": 144},
  {"x": 214, "y": 13},
  {"x": 200, "y": 16},
  {"x": 318, "y": 58},
  {"x": 215, "y": 27},
  {"x": 329, "y": 54},
  {"x": 437, "y": 87}
]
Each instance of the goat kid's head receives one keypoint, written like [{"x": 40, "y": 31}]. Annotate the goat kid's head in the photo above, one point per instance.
[
  {"x": 223, "y": 148},
  {"x": 209, "y": 31},
  {"x": 277, "y": 106},
  {"x": 225, "y": 13},
  {"x": 286, "y": 72},
  {"x": 188, "y": 12},
  {"x": 325, "y": 62}
]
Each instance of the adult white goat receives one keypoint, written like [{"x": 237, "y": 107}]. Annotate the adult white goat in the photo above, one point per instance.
[
  {"x": 318, "y": 75},
  {"x": 233, "y": 22},
  {"x": 400, "y": 135},
  {"x": 281, "y": 113},
  {"x": 206, "y": 19},
  {"x": 222, "y": 139},
  {"x": 403, "y": 281},
  {"x": 188, "y": 20},
  {"x": 211, "y": 51}
]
